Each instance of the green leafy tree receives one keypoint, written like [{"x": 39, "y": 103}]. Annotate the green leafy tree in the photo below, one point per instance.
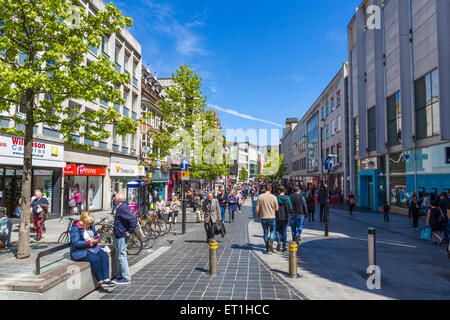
[
  {"x": 243, "y": 175},
  {"x": 52, "y": 37}
]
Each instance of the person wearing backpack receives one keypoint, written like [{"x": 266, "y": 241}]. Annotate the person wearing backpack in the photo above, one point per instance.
[
  {"x": 436, "y": 221},
  {"x": 299, "y": 209},
  {"x": 282, "y": 218}
]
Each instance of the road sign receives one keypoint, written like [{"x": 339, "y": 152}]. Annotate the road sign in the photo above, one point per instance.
[
  {"x": 184, "y": 165},
  {"x": 185, "y": 175},
  {"x": 329, "y": 163}
]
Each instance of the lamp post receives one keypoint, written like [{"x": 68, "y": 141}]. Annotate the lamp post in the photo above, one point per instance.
[{"x": 329, "y": 167}]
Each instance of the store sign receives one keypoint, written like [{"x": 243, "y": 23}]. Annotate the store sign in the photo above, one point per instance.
[
  {"x": 14, "y": 147},
  {"x": 82, "y": 170},
  {"x": 127, "y": 170}
]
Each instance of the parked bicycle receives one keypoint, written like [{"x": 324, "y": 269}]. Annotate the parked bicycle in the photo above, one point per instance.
[
  {"x": 105, "y": 229},
  {"x": 65, "y": 236}
]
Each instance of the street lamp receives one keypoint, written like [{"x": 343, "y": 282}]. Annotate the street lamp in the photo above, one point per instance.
[{"x": 327, "y": 209}]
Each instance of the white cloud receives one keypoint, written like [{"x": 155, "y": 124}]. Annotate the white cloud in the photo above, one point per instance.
[
  {"x": 245, "y": 116},
  {"x": 213, "y": 89},
  {"x": 188, "y": 41},
  {"x": 297, "y": 77}
]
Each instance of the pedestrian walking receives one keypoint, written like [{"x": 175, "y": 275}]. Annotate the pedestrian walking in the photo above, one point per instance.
[
  {"x": 322, "y": 197},
  {"x": 78, "y": 201},
  {"x": 239, "y": 197},
  {"x": 426, "y": 202},
  {"x": 266, "y": 208},
  {"x": 414, "y": 212},
  {"x": 222, "y": 198},
  {"x": 448, "y": 229},
  {"x": 311, "y": 205},
  {"x": 443, "y": 204},
  {"x": 211, "y": 210},
  {"x": 232, "y": 202},
  {"x": 435, "y": 220},
  {"x": 113, "y": 203},
  {"x": 38, "y": 209},
  {"x": 198, "y": 209},
  {"x": 125, "y": 223},
  {"x": 282, "y": 218},
  {"x": 351, "y": 202},
  {"x": 299, "y": 211},
  {"x": 84, "y": 246},
  {"x": 5, "y": 230},
  {"x": 175, "y": 206},
  {"x": 386, "y": 209}
]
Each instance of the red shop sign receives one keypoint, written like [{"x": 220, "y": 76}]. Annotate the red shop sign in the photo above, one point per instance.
[{"x": 82, "y": 170}]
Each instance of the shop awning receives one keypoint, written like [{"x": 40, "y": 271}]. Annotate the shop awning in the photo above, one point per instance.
[{"x": 11, "y": 161}]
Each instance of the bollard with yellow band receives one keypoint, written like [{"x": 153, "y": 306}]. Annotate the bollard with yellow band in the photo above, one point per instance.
[
  {"x": 213, "y": 246},
  {"x": 293, "y": 248}
]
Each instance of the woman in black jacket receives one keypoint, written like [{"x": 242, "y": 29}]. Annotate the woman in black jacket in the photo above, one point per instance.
[
  {"x": 414, "y": 211},
  {"x": 311, "y": 203}
]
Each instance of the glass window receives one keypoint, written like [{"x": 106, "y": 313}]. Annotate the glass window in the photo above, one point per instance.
[
  {"x": 394, "y": 119},
  {"x": 313, "y": 144},
  {"x": 95, "y": 193},
  {"x": 371, "y": 129},
  {"x": 427, "y": 105},
  {"x": 327, "y": 130}
]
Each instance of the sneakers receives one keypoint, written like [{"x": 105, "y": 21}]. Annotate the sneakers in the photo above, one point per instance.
[
  {"x": 108, "y": 284},
  {"x": 270, "y": 249},
  {"x": 121, "y": 282},
  {"x": 278, "y": 247}
]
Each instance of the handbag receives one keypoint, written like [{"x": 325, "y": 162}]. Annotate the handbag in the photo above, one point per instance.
[
  {"x": 219, "y": 228},
  {"x": 425, "y": 234},
  {"x": 72, "y": 203}
]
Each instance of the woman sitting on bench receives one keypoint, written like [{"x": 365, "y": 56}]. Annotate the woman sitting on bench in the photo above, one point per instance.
[{"x": 84, "y": 247}]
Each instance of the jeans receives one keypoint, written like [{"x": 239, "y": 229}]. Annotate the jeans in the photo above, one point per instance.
[
  {"x": 281, "y": 227},
  {"x": 266, "y": 225},
  {"x": 386, "y": 217},
  {"x": 297, "y": 223},
  {"x": 122, "y": 262},
  {"x": 99, "y": 264},
  {"x": 322, "y": 212},
  {"x": 230, "y": 216},
  {"x": 222, "y": 212}
]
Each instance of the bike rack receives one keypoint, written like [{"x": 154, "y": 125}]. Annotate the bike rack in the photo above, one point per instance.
[{"x": 46, "y": 253}]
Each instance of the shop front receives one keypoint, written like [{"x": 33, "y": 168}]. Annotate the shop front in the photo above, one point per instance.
[
  {"x": 48, "y": 163},
  {"x": 121, "y": 173},
  {"x": 159, "y": 181},
  {"x": 88, "y": 180},
  {"x": 372, "y": 183}
]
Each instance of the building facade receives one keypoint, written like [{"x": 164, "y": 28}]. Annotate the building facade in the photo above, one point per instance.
[
  {"x": 320, "y": 133},
  {"x": 399, "y": 78},
  {"x": 58, "y": 169}
]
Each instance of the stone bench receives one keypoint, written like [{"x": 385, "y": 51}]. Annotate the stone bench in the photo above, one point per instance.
[{"x": 70, "y": 280}]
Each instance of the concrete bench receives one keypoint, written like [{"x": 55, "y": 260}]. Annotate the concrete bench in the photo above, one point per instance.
[{"x": 71, "y": 280}]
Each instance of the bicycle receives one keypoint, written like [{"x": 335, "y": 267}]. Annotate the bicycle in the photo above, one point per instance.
[
  {"x": 65, "y": 236},
  {"x": 106, "y": 233}
]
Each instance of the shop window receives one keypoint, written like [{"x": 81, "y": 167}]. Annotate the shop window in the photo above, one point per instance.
[
  {"x": 371, "y": 129},
  {"x": 427, "y": 105},
  {"x": 394, "y": 119}
]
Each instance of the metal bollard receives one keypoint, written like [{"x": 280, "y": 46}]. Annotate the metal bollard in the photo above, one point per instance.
[
  {"x": 327, "y": 216},
  {"x": 293, "y": 248},
  {"x": 372, "y": 246},
  {"x": 213, "y": 246},
  {"x": 183, "y": 215}
]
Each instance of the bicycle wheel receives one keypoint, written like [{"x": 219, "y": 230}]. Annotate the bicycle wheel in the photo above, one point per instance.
[
  {"x": 134, "y": 245},
  {"x": 64, "y": 237},
  {"x": 156, "y": 228},
  {"x": 151, "y": 239},
  {"x": 165, "y": 228}
]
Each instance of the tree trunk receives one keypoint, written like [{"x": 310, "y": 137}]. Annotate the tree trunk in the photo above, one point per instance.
[{"x": 24, "y": 229}]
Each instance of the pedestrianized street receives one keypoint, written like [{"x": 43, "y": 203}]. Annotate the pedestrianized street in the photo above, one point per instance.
[{"x": 330, "y": 268}]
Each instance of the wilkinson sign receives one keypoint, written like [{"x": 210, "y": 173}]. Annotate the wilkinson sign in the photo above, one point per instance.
[{"x": 14, "y": 147}]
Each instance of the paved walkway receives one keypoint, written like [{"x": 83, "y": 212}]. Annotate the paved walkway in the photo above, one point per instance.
[
  {"x": 182, "y": 273},
  {"x": 334, "y": 267}
]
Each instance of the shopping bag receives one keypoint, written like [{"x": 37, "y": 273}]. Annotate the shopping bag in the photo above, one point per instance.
[{"x": 425, "y": 234}]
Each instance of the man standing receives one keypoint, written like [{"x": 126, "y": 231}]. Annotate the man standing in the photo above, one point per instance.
[
  {"x": 39, "y": 206},
  {"x": 298, "y": 214},
  {"x": 266, "y": 208},
  {"x": 222, "y": 198},
  {"x": 211, "y": 211},
  {"x": 322, "y": 197},
  {"x": 282, "y": 218},
  {"x": 124, "y": 225}
]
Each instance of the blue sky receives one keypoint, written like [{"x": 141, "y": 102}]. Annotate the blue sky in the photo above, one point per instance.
[{"x": 265, "y": 60}]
